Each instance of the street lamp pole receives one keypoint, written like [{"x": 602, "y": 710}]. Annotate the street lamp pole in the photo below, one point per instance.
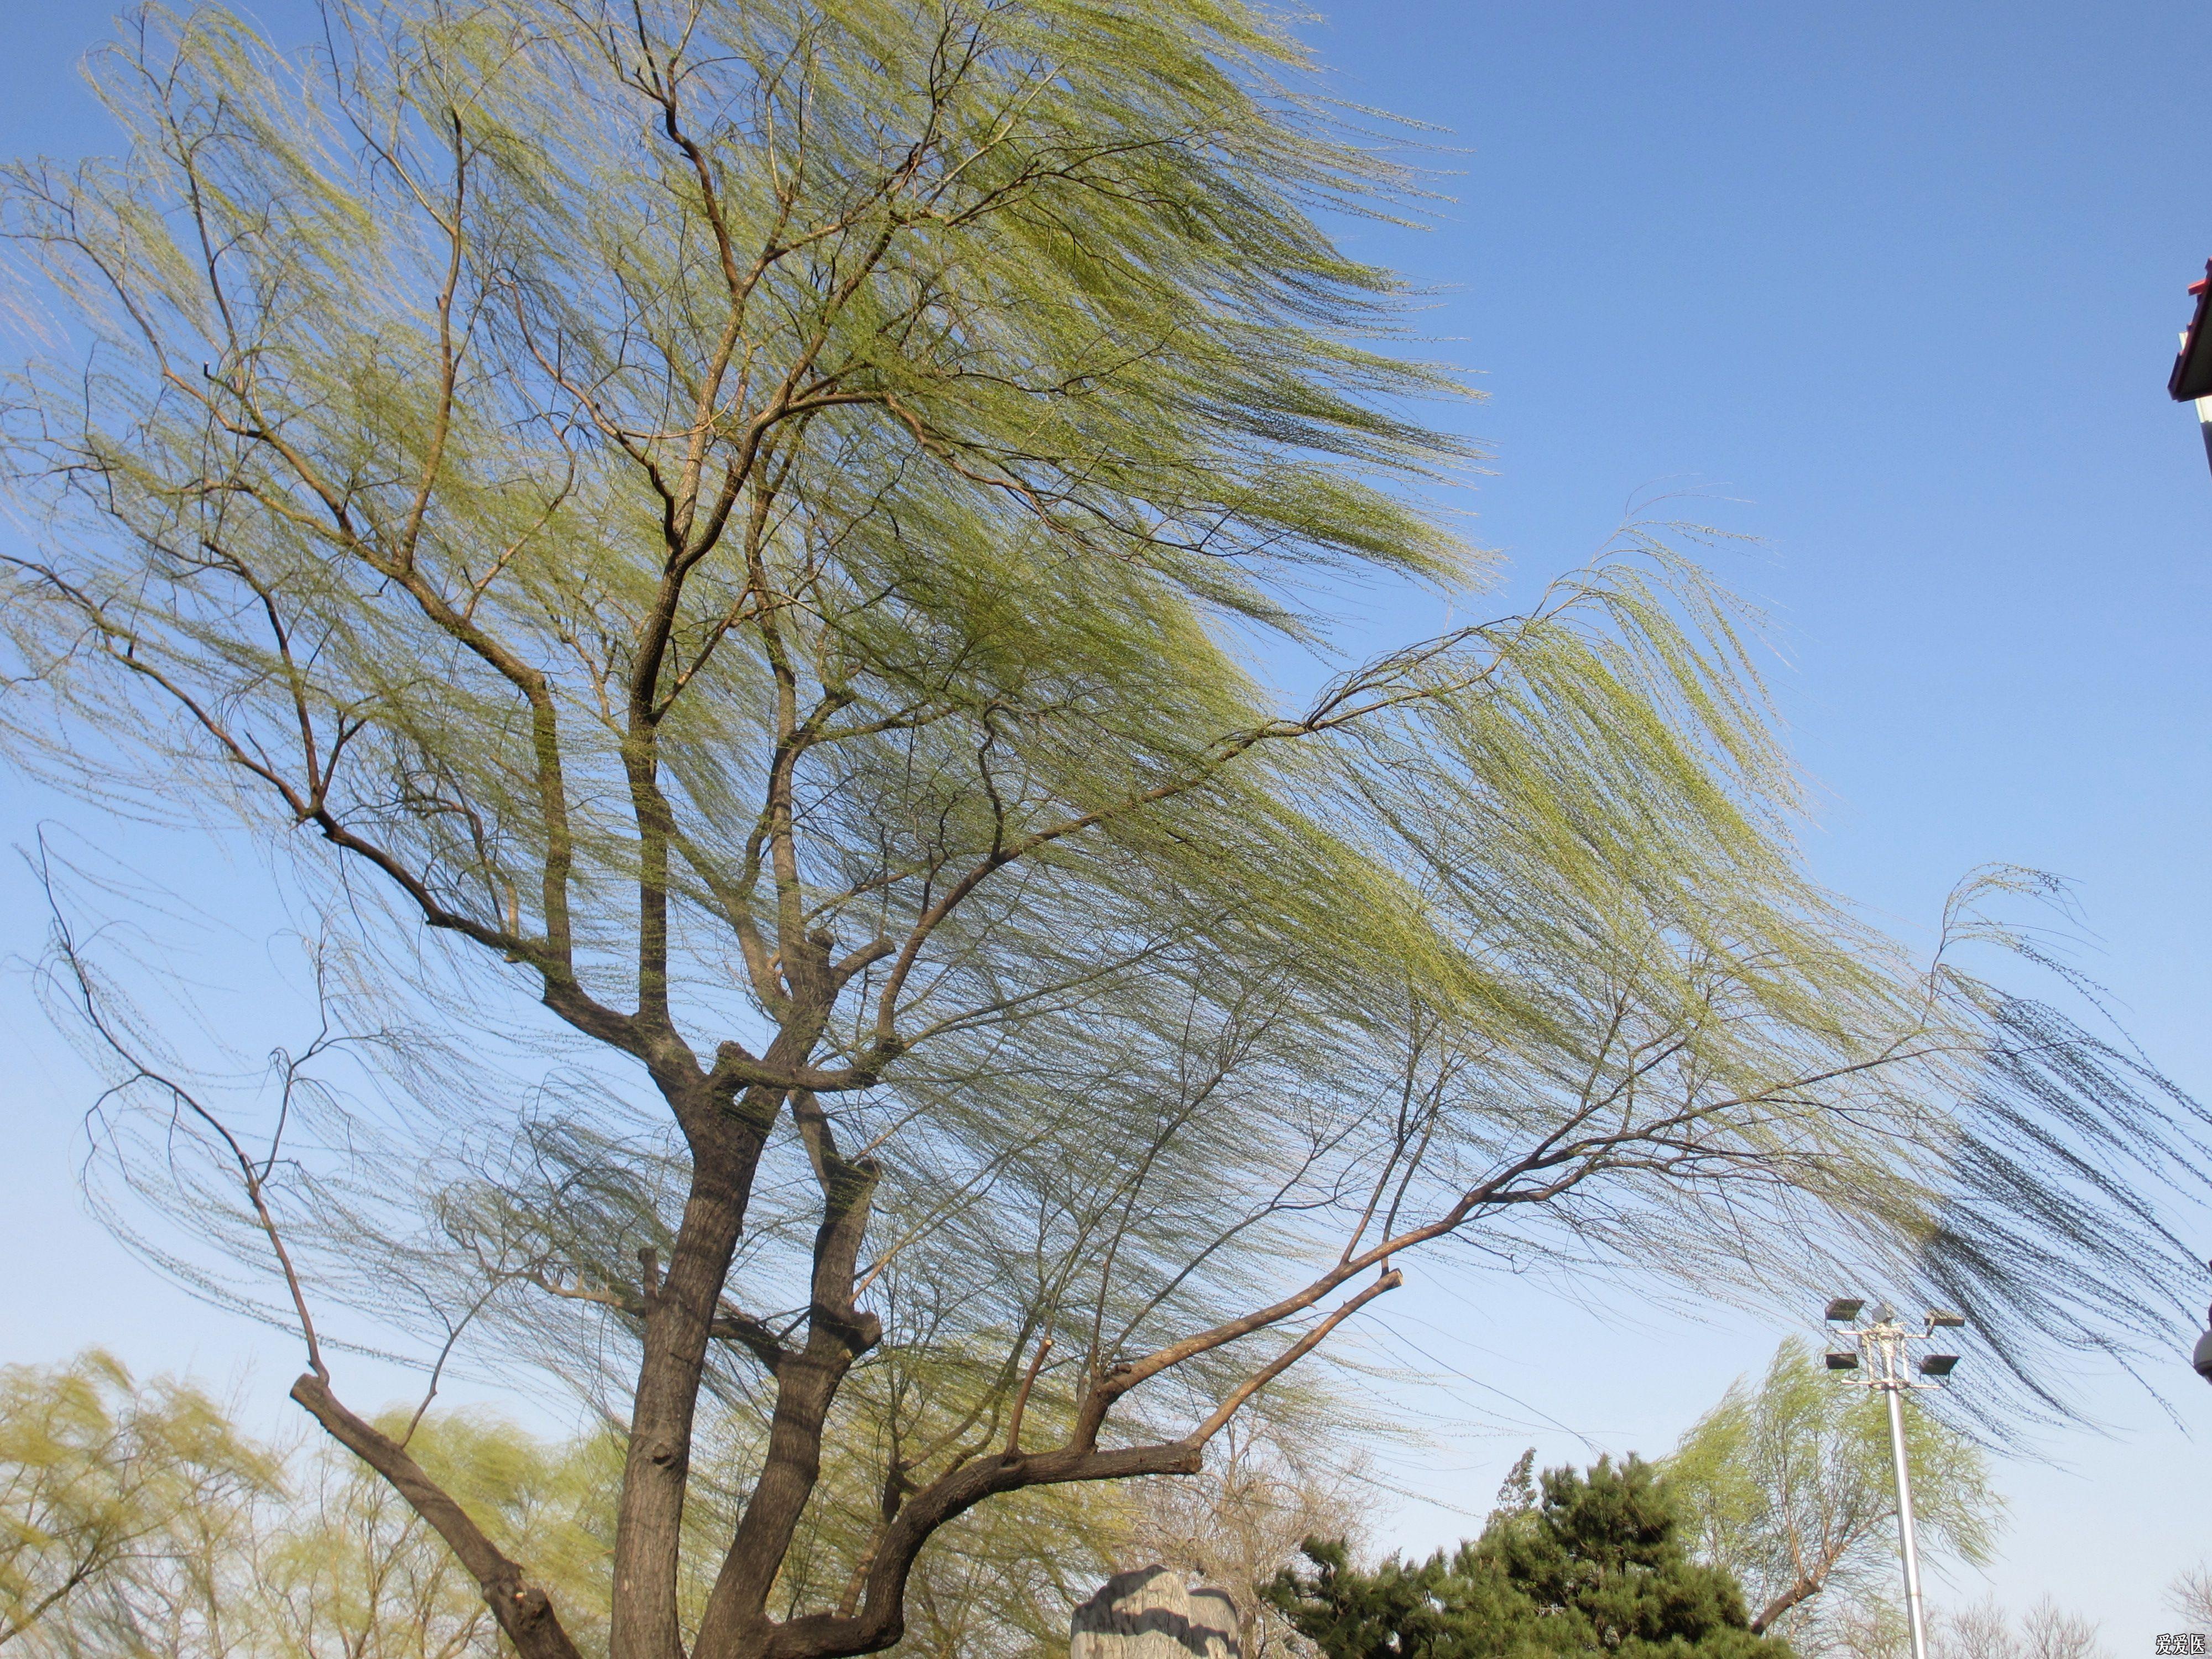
[
  {"x": 1882, "y": 1349},
  {"x": 1908, "y": 1546}
]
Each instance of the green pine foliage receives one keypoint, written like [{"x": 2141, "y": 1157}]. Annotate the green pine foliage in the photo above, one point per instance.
[{"x": 1598, "y": 1564}]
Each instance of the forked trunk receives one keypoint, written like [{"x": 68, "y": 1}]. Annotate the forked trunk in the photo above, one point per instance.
[{"x": 679, "y": 1317}]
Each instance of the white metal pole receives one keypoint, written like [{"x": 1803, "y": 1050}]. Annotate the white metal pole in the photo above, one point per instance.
[{"x": 1892, "y": 1384}]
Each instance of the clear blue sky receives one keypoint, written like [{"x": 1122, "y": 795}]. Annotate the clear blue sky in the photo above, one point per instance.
[{"x": 1892, "y": 289}]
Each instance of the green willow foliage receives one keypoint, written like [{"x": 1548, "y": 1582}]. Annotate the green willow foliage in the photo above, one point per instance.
[
  {"x": 1790, "y": 1487},
  {"x": 140, "y": 1521},
  {"x": 753, "y": 524},
  {"x": 113, "y": 1499}
]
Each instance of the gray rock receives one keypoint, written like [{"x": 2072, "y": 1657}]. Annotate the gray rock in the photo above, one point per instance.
[{"x": 1151, "y": 1614}]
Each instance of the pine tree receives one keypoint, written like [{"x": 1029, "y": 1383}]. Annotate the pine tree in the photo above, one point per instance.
[{"x": 1599, "y": 1565}]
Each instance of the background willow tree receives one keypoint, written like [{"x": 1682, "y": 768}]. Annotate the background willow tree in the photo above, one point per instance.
[
  {"x": 1791, "y": 1488},
  {"x": 750, "y": 524},
  {"x": 111, "y": 1499},
  {"x": 141, "y": 1522}
]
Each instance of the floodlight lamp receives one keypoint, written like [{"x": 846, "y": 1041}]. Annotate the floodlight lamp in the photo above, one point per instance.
[
  {"x": 1938, "y": 1320},
  {"x": 1849, "y": 1362},
  {"x": 2201, "y": 1360},
  {"x": 1937, "y": 1364},
  {"x": 1842, "y": 1309}
]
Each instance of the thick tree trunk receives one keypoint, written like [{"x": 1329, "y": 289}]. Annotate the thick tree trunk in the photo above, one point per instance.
[
  {"x": 736, "y": 1621},
  {"x": 679, "y": 1316},
  {"x": 838, "y": 1334}
]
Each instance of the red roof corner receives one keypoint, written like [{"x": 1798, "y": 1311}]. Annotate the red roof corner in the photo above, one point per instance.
[{"x": 2192, "y": 369}]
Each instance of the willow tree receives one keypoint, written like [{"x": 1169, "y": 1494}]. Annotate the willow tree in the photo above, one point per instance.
[
  {"x": 112, "y": 1498},
  {"x": 754, "y": 525},
  {"x": 1791, "y": 1488}
]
